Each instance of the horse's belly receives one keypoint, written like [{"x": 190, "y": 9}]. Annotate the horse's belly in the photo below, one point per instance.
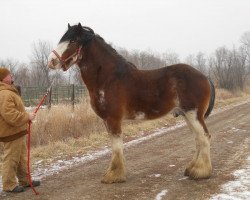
[{"x": 144, "y": 114}]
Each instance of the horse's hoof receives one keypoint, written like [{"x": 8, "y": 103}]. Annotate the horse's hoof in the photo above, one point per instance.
[
  {"x": 109, "y": 180},
  {"x": 188, "y": 168},
  {"x": 199, "y": 173}
]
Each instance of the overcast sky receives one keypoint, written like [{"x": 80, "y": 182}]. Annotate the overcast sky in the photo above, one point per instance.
[{"x": 182, "y": 26}]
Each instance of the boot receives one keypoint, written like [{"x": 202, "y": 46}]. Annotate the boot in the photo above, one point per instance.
[
  {"x": 35, "y": 183},
  {"x": 17, "y": 189}
]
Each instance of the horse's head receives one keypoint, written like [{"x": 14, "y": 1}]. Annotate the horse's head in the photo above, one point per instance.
[{"x": 69, "y": 50}]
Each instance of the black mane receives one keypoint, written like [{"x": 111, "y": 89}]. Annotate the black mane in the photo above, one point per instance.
[{"x": 78, "y": 33}]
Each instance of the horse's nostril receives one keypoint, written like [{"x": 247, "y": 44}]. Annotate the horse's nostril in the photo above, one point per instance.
[{"x": 51, "y": 63}]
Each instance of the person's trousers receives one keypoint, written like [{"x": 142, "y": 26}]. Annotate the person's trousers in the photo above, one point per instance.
[{"x": 14, "y": 167}]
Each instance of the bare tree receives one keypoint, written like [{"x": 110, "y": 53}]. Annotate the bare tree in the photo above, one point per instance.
[
  {"x": 240, "y": 68},
  {"x": 197, "y": 61},
  {"x": 143, "y": 59},
  {"x": 201, "y": 63},
  {"x": 22, "y": 75},
  {"x": 229, "y": 68},
  {"x": 75, "y": 76},
  {"x": 149, "y": 60},
  {"x": 190, "y": 60},
  {"x": 11, "y": 64},
  {"x": 170, "y": 58},
  {"x": 38, "y": 62},
  {"x": 58, "y": 77},
  {"x": 245, "y": 48},
  {"x": 18, "y": 70}
]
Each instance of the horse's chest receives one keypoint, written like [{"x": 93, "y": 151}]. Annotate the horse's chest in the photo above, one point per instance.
[{"x": 99, "y": 102}]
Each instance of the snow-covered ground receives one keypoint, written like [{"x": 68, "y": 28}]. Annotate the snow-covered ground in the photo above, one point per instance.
[
  {"x": 238, "y": 189},
  {"x": 161, "y": 194},
  {"x": 233, "y": 190}
]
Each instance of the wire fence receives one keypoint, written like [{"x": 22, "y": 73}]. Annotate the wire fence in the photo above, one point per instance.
[{"x": 59, "y": 94}]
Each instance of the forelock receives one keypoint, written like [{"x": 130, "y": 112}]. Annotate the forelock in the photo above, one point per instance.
[{"x": 72, "y": 33}]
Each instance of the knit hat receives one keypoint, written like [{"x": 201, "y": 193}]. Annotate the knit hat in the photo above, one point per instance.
[{"x": 3, "y": 73}]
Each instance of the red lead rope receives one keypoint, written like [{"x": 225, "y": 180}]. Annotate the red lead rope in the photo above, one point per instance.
[
  {"x": 29, "y": 176},
  {"x": 29, "y": 131}
]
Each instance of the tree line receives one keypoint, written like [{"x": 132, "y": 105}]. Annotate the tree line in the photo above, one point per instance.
[{"x": 228, "y": 68}]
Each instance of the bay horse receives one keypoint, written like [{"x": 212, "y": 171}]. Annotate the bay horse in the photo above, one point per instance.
[{"x": 118, "y": 90}]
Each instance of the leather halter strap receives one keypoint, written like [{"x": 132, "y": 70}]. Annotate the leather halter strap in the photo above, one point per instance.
[{"x": 63, "y": 61}]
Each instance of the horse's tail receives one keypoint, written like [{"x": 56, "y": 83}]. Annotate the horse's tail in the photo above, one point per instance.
[{"x": 212, "y": 98}]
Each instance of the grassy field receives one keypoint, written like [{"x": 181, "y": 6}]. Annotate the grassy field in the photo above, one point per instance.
[{"x": 60, "y": 131}]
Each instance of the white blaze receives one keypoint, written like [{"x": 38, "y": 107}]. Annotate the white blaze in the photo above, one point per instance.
[{"x": 52, "y": 57}]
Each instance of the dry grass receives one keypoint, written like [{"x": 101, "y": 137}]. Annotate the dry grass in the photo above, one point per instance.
[
  {"x": 60, "y": 123},
  {"x": 63, "y": 132},
  {"x": 225, "y": 97}
]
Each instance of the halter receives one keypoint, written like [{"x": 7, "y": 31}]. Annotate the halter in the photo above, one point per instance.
[{"x": 63, "y": 61}]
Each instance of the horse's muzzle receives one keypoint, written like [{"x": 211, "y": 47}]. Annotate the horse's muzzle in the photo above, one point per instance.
[{"x": 51, "y": 64}]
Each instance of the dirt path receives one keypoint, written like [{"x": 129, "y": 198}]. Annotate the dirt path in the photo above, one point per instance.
[{"x": 157, "y": 165}]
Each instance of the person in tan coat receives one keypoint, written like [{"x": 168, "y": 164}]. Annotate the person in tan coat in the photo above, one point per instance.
[{"x": 13, "y": 129}]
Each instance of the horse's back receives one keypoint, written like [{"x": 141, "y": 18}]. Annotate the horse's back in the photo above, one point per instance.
[{"x": 184, "y": 71}]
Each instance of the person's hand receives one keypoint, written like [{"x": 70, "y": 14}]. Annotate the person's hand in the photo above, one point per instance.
[{"x": 32, "y": 116}]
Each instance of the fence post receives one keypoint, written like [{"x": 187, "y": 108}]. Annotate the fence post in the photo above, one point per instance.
[
  {"x": 73, "y": 97},
  {"x": 49, "y": 100}
]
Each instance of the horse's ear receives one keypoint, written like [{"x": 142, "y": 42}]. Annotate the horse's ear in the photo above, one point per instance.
[
  {"x": 79, "y": 25},
  {"x": 69, "y": 26}
]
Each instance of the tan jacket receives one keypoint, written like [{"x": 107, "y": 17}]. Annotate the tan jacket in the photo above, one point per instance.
[{"x": 13, "y": 117}]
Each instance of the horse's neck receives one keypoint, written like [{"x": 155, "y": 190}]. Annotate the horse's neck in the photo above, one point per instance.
[{"x": 98, "y": 65}]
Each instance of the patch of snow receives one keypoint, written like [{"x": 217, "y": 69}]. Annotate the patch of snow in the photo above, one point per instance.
[
  {"x": 238, "y": 189},
  {"x": 155, "y": 175},
  {"x": 60, "y": 165},
  {"x": 32, "y": 108},
  {"x": 236, "y": 129},
  {"x": 38, "y": 162},
  {"x": 184, "y": 178},
  {"x": 161, "y": 194},
  {"x": 171, "y": 165}
]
